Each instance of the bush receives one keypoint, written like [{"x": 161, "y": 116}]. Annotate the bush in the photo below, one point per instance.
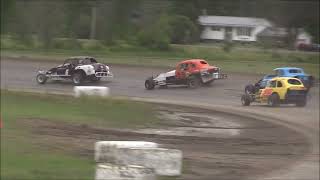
[
  {"x": 183, "y": 30},
  {"x": 13, "y": 42},
  {"x": 227, "y": 46},
  {"x": 66, "y": 43},
  {"x": 154, "y": 40},
  {"x": 157, "y": 36},
  {"x": 88, "y": 44}
]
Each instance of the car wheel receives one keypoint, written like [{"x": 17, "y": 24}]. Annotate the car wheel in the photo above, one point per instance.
[
  {"x": 245, "y": 100},
  {"x": 193, "y": 82},
  {"x": 273, "y": 100},
  {"x": 302, "y": 102},
  {"x": 149, "y": 84},
  {"x": 77, "y": 78},
  {"x": 41, "y": 78}
]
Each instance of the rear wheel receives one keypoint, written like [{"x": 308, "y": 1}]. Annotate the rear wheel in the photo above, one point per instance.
[
  {"x": 245, "y": 100},
  {"x": 77, "y": 78},
  {"x": 41, "y": 78},
  {"x": 193, "y": 82},
  {"x": 273, "y": 100},
  {"x": 149, "y": 84}
]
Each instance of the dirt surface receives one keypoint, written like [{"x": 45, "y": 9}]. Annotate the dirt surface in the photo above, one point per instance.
[
  {"x": 214, "y": 144},
  {"x": 218, "y": 157}
]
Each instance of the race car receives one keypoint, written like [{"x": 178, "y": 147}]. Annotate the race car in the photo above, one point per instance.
[
  {"x": 192, "y": 73},
  {"x": 78, "y": 69},
  {"x": 279, "y": 90},
  {"x": 306, "y": 79}
]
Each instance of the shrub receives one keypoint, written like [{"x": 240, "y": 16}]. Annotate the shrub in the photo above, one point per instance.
[
  {"x": 183, "y": 30},
  {"x": 91, "y": 45},
  {"x": 227, "y": 46},
  {"x": 13, "y": 42},
  {"x": 157, "y": 36},
  {"x": 66, "y": 43}
]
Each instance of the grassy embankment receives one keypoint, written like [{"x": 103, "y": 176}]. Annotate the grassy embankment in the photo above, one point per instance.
[
  {"x": 243, "y": 60},
  {"x": 27, "y": 155}
]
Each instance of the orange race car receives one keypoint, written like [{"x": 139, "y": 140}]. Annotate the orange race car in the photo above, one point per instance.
[{"x": 192, "y": 73}]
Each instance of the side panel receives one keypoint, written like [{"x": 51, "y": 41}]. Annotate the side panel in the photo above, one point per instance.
[{"x": 88, "y": 69}]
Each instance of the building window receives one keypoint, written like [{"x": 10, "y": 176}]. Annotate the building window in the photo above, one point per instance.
[
  {"x": 215, "y": 28},
  {"x": 244, "y": 31}
]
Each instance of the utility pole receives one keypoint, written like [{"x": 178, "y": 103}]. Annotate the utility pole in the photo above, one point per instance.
[{"x": 93, "y": 20}]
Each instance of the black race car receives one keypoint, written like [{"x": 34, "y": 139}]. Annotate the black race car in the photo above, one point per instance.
[{"x": 77, "y": 69}]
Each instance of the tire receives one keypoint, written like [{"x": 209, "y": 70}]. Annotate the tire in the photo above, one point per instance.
[
  {"x": 149, "y": 84},
  {"x": 249, "y": 89},
  {"x": 77, "y": 78},
  {"x": 193, "y": 82},
  {"x": 302, "y": 102},
  {"x": 41, "y": 78},
  {"x": 245, "y": 100},
  {"x": 273, "y": 100}
]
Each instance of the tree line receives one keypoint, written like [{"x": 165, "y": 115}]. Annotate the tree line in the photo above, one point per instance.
[{"x": 150, "y": 23}]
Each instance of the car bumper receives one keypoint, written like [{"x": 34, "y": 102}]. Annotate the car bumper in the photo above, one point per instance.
[
  {"x": 219, "y": 76},
  {"x": 103, "y": 74}
]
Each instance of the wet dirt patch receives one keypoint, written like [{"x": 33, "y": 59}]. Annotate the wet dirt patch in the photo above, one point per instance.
[{"x": 211, "y": 148}]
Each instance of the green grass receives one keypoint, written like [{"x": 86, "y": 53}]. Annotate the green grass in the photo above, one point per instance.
[
  {"x": 24, "y": 156},
  {"x": 243, "y": 60}
]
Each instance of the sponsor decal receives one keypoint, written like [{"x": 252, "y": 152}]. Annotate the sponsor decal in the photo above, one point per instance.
[{"x": 266, "y": 92}]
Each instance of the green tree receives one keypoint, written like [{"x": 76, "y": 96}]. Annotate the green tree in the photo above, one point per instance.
[
  {"x": 8, "y": 10},
  {"x": 156, "y": 36},
  {"x": 120, "y": 22},
  {"x": 182, "y": 30}
]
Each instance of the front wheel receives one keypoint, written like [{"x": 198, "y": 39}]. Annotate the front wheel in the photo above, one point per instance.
[
  {"x": 245, "y": 100},
  {"x": 149, "y": 84},
  {"x": 273, "y": 100},
  {"x": 77, "y": 78},
  {"x": 193, "y": 82},
  {"x": 41, "y": 78}
]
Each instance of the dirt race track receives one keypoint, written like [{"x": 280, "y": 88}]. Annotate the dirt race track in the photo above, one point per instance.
[{"x": 282, "y": 144}]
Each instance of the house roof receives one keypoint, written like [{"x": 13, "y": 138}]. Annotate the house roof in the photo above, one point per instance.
[{"x": 233, "y": 21}]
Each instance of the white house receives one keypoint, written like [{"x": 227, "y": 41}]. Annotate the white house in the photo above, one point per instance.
[{"x": 232, "y": 28}]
